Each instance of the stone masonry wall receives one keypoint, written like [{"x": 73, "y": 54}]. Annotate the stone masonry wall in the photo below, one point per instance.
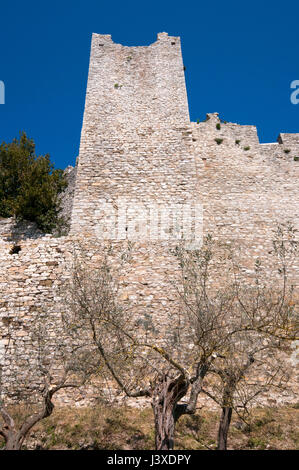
[
  {"x": 245, "y": 187},
  {"x": 137, "y": 143}
]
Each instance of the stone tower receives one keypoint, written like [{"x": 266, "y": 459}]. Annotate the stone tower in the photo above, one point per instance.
[{"x": 136, "y": 140}]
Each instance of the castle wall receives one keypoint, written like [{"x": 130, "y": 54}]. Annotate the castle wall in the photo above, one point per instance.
[
  {"x": 32, "y": 288},
  {"x": 33, "y": 285},
  {"x": 29, "y": 282},
  {"x": 245, "y": 187},
  {"x": 137, "y": 144}
]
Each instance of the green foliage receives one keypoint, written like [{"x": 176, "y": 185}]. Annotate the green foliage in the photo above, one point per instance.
[
  {"x": 246, "y": 148},
  {"x": 296, "y": 159},
  {"x": 256, "y": 443},
  {"x": 287, "y": 151},
  {"x": 29, "y": 185},
  {"x": 219, "y": 141},
  {"x": 218, "y": 126},
  {"x": 237, "y": 142}
]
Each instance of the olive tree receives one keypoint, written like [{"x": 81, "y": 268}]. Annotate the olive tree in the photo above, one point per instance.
[
  {"x": 170, "y": 365},
  {"x": 35, "y": 374}
]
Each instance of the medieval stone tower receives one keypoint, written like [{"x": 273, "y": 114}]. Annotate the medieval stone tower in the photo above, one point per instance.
[
  {"x": 136, "y": 139},
  {"x": 138, "y": 144}
]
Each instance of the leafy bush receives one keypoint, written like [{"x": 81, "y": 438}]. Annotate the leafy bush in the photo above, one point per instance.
[
  {"x": 219, "y": 141},
  {"x": 218, "y": 126},
  {"x": 29, "y": 185}
]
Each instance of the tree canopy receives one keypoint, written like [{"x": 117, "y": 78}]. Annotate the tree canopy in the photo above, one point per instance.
[{"x": 29, "y": 184}]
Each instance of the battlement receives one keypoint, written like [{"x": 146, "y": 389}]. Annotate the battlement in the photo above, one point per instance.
[
  {"x": 291, "y": 140},
  {"x": 107, "y": 39},
  {"x": 222, "y": 137},
  {"x": 230, "y": 133}
]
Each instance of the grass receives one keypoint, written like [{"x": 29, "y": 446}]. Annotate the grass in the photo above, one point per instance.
[{"x": 127, "y": 428}]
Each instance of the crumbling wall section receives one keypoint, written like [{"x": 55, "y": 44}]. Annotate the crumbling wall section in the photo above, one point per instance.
[{"x": 246, "y": 188}]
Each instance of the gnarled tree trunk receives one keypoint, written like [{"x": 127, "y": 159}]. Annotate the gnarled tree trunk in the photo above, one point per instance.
[
  {"x": 14, "y": 441},
  {"x": 13, "y": 436},
  {"x": 224, "y": 427},
  {"x": 166, "y": 395}
]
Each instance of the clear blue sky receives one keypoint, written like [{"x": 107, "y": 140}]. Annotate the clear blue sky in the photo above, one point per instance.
[{"x": 240, "y": 59}]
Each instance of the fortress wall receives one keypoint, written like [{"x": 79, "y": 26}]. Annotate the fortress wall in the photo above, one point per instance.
[
  {"x": 137, "y": 143},
  {"x": 29, "y": 284},
  {"x": 30, "y": 287},
  {"x": 245, "y": 192}
]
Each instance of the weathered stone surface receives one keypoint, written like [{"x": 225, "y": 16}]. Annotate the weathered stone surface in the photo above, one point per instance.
[{"x": 137, "y": 142}]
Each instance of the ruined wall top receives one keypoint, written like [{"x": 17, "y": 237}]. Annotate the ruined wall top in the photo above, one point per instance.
[{"x": 134, "y": 86}]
